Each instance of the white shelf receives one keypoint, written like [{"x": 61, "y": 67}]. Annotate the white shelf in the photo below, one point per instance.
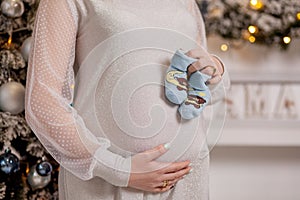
[{"x": 260, "y": 133}]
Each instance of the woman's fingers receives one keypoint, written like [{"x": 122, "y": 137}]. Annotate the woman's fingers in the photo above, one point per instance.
[
  {"x": 162, "y": 189},
  {"x": 149, "y": 175},
  {"x": 176, "y": 166},
  {"x": 156, "y": 152},
  {"x": 197, "y": 53},
  {"x": 176, "y": 175},
  {"x": 207, "y": 64},
  {"x": 215, "y": 79},
  {"x": 209, "y": 70},
  {"x": 171, "y": 182},
  {"x": 202, "y": 63},
  {"x": 170, "y": 185}
]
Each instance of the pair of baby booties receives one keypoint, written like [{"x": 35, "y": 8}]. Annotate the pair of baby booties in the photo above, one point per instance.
[{"x": 192, "y": 95}]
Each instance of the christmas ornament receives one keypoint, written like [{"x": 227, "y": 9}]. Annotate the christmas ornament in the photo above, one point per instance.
[
  {"x": 9, "y": 163},
  {"x": 25, "y": 48},
  {"x": 12, "y": 8},
  {"x": 44, "y": 168},
  {"x": 37, "y": 181},
  {"x": 12, "y": 97}
]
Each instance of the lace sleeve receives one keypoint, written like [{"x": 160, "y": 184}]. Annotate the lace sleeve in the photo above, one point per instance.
[{"x": 49, "y": 93}]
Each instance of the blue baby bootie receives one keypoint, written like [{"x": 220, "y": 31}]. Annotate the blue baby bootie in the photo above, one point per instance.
[
  {"x": 176, "y": 84},
  {"x": 198, "y": 96}
]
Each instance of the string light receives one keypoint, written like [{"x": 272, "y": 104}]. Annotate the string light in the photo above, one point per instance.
[
  {"x": 298, "y": 15},
  {"x": 224, "y": 47},
  {"x": 27, "y": 168},
  {"x": 287, "y": 39},
  {"x": 252, "y": 39},
  {"x": 256, "y": 4},
  {"x": 252, "y": 29},
  {"x": 247, "y": 36},
  {"x": 9, "y": 41}
]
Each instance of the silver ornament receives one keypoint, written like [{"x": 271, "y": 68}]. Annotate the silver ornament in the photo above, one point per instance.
[
  {"x": 25, "y": 48},
  {"x": 12, "y": 97},
  {"x": 35, "y": 180},
  {"x": 12, "y": 8}
]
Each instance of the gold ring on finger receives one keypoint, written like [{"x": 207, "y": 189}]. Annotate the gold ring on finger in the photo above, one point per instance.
[{"x": 165, "y": 183}]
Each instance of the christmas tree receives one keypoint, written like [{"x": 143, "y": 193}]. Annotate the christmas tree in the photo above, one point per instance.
[
  {"x": 27, "y": 171},
  {"x": 264, "y": 22}
]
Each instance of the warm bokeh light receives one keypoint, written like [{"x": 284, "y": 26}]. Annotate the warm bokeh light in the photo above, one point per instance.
[
  {"x": 256, "y": 4},
  {"x": 252, "y": 39},
  {"x": 287, "y": 39},
  {"x": 27, "y": 169},
  {"x": 298, "y": 15},
  {"x": 252, "y": 29},
  {"x": 9, "y": 41},
  {"x": 246, "y": 34},
  {"x": 224, "y": 47}
]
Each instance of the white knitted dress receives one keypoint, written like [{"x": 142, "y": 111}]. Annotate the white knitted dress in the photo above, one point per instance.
[{"x": 108, "y": 59}]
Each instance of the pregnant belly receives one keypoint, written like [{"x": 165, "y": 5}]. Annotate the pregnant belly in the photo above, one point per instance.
[{"x": 134, "y": 114}]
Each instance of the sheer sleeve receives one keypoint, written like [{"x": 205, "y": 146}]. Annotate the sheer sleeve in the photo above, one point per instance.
[
  {"x": 218, "y": 90},
  {"x": 49, "y": 94}
]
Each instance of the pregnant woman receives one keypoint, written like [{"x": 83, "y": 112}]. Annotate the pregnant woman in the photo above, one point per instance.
[{"x": 95, "y": 98}]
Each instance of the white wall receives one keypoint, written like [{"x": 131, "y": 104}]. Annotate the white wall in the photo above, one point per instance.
[{"x": 255, "y": 173}]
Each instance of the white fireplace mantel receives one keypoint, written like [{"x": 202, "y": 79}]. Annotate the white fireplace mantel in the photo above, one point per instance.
[{"x": 268, "y": 66}]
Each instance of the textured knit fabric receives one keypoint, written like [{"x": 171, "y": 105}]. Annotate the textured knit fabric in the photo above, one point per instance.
[{"x": 93, "y": 106}]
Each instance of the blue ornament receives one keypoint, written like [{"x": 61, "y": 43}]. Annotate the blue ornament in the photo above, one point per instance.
[
  {"x": 44, "y": 168},
  {"x": 9, "y": 163}
]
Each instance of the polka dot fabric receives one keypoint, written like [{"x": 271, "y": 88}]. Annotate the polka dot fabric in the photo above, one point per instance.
[{"x": 49, "y": 93}]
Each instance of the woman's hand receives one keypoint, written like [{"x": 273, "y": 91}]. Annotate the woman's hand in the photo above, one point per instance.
[
  {"x": 207, "y": 64},
  {"x": 149, "y": 175}
]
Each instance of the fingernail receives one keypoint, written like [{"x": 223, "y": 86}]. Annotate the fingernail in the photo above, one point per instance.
[
  {"x": 184, "y": 176},
  {"x": 190, "y": 164},
  {"x": 167, "y": 145},
  {"x": 191, "y": 170}
]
